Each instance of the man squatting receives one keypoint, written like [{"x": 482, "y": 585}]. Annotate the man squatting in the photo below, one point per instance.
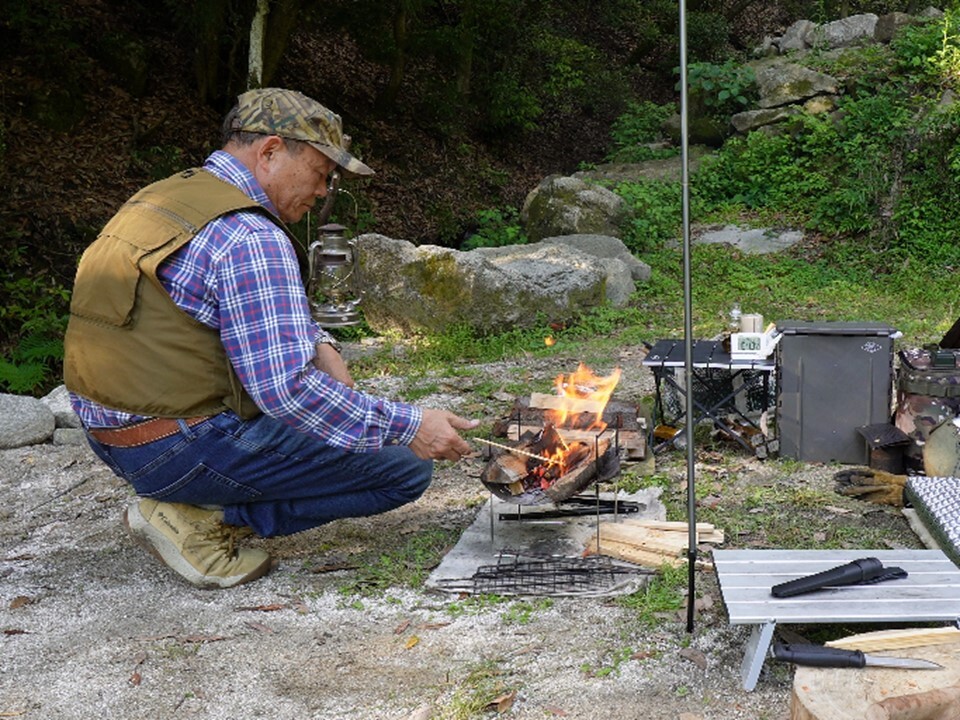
[{"x": 199, "y": 374}]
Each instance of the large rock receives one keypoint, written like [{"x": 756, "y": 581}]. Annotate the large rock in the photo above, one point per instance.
[
  {"x": 889, "y": 25},
  {"x": 24, "y": 421},
  {"x": 604, "y": 246},
  {"x": 794, "y": 38},
  {"x": 783, "y": 83},
  {"x": 570, "y": 206},
  {"x": 58, "y": 400},
  {"x": 749, "y": 120},
  {"x": 489, "y": 289},
  {"x": 750, "y": 241},
  {"x": 852, "y": 30},
  {"x": 668, "y": 169}
]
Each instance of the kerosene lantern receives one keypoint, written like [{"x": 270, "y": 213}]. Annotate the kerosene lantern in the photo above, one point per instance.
[{"x": 333, "y": 287}]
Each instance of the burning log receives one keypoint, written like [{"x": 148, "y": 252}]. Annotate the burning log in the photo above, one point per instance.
[
  {"x": 557, "y": 464},
  {"x": 539, "y": 474}
]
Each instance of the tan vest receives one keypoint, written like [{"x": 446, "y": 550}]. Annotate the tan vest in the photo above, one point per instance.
[{"x": 128, "y": 346}]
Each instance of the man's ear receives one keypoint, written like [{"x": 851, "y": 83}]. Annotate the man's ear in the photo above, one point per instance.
[{"x": 270, "y": 146}]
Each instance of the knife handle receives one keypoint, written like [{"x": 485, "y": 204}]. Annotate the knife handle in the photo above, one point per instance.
[{"x": 819, "y": 656}]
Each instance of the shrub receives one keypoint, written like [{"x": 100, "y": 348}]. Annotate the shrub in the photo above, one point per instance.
[
  {"x": 634, "y": 129},
  {"x": 656, "y": 213},
  {"x": 496, "y": 228},
  {"x": 721, "y": 90}
]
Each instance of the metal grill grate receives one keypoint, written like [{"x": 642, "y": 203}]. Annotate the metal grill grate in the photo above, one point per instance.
[{"x": 526, "y": 574}]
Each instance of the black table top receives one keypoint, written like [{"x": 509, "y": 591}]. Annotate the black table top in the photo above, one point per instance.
[{"x": 705, "y": 354}]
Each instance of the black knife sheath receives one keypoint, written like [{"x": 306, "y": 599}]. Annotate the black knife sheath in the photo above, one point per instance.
[{"x": 859, "y": 572}]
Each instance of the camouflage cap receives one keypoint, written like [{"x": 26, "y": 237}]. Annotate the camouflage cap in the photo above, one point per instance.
[{"x": 292, "y": 115}]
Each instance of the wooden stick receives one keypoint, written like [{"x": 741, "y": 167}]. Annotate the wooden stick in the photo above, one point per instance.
[{"x": 518, "y": 451}]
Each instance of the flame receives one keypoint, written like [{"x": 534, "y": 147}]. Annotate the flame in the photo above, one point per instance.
[
  {"x": 581, "y": 394},
  {"x": 583, "y": 391}
]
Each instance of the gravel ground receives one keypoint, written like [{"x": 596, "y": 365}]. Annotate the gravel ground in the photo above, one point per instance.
[{"x": 95, "y": 628}]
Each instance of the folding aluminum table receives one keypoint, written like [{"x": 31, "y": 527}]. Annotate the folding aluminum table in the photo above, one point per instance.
[{"x": 929, "y": 593}]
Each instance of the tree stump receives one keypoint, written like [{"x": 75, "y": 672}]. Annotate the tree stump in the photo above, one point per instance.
[{"x": 856, "y": 694}]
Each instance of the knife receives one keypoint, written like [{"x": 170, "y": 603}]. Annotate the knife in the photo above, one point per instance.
[{"x": 820, "y": 656}]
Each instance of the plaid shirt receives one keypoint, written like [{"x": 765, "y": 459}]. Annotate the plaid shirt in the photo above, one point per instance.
[{"x": 240, "y": 276}]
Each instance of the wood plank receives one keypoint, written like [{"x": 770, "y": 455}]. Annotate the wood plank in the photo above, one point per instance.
[
  {"x": 676, "y": 525},
  {"x": 633, "y": 554},
  {"x": 545, "y": 401},
  {"x": 706, "y": 532},
  {"x": 669, "y": 543},
  {"x": 898, "y": 639}
]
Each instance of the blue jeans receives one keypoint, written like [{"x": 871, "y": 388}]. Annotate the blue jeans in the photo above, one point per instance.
[{"x": 268, "y": 476}]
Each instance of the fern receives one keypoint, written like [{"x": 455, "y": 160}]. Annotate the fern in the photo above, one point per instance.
[
  {"x": 39, "y": 348},
  {"x": 21, "y": 378}
]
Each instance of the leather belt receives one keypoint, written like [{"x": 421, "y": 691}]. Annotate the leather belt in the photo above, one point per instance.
[{"x": 143, "y": 432}]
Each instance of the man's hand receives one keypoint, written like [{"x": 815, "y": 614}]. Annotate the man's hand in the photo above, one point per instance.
[
  {"x": 438, "y": 439},
  {"x": 328, "y": 360},
  {"x": 874, "y": 486}
]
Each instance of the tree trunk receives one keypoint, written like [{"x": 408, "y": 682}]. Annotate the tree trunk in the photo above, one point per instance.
[
  {"x": 881, "y": 693},
  {"x": 283, "y": 18},
  {"x": 257, "y": 31},
  {"x": 208, "y": 20},
  {"x": 468, "y": 35}
]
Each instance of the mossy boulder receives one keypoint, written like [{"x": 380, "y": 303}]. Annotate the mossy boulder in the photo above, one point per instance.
[
  {"x": 572, "y": 206},
  {"x": 411, "y": 288}
]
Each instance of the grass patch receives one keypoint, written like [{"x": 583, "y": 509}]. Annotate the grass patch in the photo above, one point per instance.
[
  {"x": 481, "y": 686},
  {"x": 663, "y": 595},
  {"x": 408, "y": 565}
]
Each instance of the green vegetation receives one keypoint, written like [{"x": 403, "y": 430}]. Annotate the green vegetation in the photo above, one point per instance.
[
  {"x": 496, "y": 228},
  {"x": 406, "y": 566},
  {"x": 721, "y": 89},
  {"x": 663, "y": 595},
  {"x": 482, "y": 685},
  {"x": 637, "y": 129}
]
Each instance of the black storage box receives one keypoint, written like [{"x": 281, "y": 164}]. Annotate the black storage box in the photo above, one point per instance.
[{"x": 835, "y": 377}]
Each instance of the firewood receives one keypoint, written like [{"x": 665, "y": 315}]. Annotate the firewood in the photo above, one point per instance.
[
  {"x": 671, "y": 525},
  {"x": 896, "y": 639},
  {"x": 555, "y": 402},
  {"x": 664, "y": 542},
  {"x": 706, "y": 532},
  {"x": 633, "y": 554}
]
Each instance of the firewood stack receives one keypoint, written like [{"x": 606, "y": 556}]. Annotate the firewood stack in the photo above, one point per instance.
[{"x": 651, "y": 543}]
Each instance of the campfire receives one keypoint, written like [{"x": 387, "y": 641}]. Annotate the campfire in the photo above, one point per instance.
[{"x": 565, "y": 441}]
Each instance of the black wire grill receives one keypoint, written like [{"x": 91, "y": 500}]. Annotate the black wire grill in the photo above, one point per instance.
[{"x": 529, "y": 574}]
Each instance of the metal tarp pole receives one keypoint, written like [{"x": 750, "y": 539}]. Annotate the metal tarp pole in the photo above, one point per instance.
[{"x": 687, "y": 323}]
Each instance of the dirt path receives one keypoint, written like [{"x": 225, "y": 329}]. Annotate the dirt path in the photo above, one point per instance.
[{"x": 95, "y": 628}]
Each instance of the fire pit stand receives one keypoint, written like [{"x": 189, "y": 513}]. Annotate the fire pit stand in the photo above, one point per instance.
[{"x": 568, "y": 501}]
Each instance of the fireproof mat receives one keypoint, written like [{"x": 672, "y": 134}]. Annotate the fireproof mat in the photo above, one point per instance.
[{"x": 536, "y": 546}]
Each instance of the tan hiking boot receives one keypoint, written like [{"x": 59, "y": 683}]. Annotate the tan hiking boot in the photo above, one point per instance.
[{"x": 194, "y": 543}]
